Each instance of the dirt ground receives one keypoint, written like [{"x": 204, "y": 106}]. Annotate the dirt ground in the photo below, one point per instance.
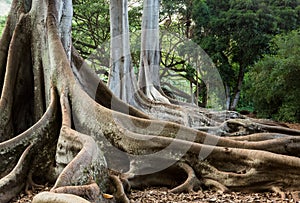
[
  {"x": 294, "y": 125},
  {"x": 162, "y": 195}
]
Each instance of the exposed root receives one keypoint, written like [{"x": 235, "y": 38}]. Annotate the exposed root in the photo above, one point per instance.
[
  {"x": 191, "y": 183},
  {"x": 215, "y": 185},
  {"x": 79, "y": 158},
  {"x": 238, "y": 127},
  {"x": 277, "y": 190},
  {"x": 42, "y": 132},
  {"x": 90, "y": 192},
  {"x": 259, "y": 137},
  {"x": 97, "y": 90},
  {"x": 13, "y": 183},
  {"x": 16, "y": 60},
  {"x": 119, "y": 193},
  {"x": 31, "y": 184},
  {"x": 65, "y": 109},
  {"x": 50, "y": 197}
]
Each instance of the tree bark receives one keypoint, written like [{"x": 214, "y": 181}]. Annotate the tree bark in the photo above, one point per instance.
[
  {"x": 238, "y": 88},
  {"x": 121, "y": 79},
  {"x": 149, "y": 80}
]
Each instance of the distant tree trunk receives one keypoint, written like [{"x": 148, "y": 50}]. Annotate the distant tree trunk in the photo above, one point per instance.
[
  {"x": 238, "y": 88},
  {"x": 149, "y": 80},
  {"x": 147, "y": 97},
  {"x": 192, "y": 93},
  {"x": 227, "y": 93},
  {"x": 121, "y": 79}
]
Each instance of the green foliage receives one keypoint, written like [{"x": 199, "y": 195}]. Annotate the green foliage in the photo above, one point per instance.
[
  {"x": 2, "y": 24},
  {"x": 275, "y": 80},
  {"x": 236, "y": 33},
  {"x": 90, "y": 25},
  {"x": 91, "y": 31}
]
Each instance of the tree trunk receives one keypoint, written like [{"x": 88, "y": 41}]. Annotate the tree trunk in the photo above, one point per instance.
[
  {"x": 149, "y": 80},
  {"x": 121, "y": 79},
  {"x": 238, "y": 88},
  {"x": 227, "y": 93},
  {"x": 58, "y": 128}
]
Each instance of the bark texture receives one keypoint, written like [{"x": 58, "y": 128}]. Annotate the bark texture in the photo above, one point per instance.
[
  {"x": 121, "y": 78},
  {"x": 57, "y": 127}
]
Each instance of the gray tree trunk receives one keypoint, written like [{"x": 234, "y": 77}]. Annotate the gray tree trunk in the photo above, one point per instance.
[
  {"x": 121, "y": 79},
  {"x": 149, "y": 80},
  {"x": 238, "y": 88}
]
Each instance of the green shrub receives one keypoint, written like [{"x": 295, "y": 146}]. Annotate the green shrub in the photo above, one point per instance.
[{"x": 275, "y": 83}]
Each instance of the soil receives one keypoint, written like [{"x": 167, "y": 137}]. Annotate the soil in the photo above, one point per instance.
[
  {"x": 162, "y": 195},
  {"x": 156, "y": 195},
  {"x": 294, "y": 125}
]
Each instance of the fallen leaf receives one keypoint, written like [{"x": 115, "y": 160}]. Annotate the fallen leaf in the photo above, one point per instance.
[{"x": 107, "y": 196}]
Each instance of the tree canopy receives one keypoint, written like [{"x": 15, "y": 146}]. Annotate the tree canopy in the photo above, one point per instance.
[
  {"x": 281, "y": 69},
  {"x": 237, "y": 33}
]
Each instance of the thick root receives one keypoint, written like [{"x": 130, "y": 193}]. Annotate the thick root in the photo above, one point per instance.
[
  {"x": 215, "y": 185},
  {"x": 119, "y": 193},
  {"x": 50, "y": 197},
  {"x": 13, "y": 180},
  {"x": 30, "y": 184},
  {"x": 13, "y": 183},
  {"x": 79, "y": 159},
  {"x": 191, "y": 183},
  {"x": 90, "y": 192}
]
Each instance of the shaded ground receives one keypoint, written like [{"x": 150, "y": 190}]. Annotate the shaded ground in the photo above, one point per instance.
[
  {"x": 161, "y": 195},
  {"x": 294, "y": 125}
]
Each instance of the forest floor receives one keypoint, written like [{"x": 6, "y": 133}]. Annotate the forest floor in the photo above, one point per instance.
[{"x": 162, "y": 195}]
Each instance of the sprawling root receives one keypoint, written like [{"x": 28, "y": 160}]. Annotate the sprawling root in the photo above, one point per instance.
[
  {"x": 9, "y": 184},
  {"x": 50, "y": 197},
  {"x": 119, "y": 193},
  {"x": 32, "y": 140},
  {"x": 91, "y": 191},
  {"x": 191, "y": 183},
  {"x": 79, "y": 158}
]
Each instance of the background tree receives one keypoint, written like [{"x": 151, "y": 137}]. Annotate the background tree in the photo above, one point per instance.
[
  {"x": 121, "y": 78},
  {"x": 147, "y": 95},
  {"x": 91, "y": 32},
  {"x": 2, "y": 23},
  {"x": 149, "y": 80},
  {"x": 177, "y": 19},
  {"x": 91, "y": 25},
  {"x": 281, "y": 69},
  {"x": 236, "y": 34}
]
